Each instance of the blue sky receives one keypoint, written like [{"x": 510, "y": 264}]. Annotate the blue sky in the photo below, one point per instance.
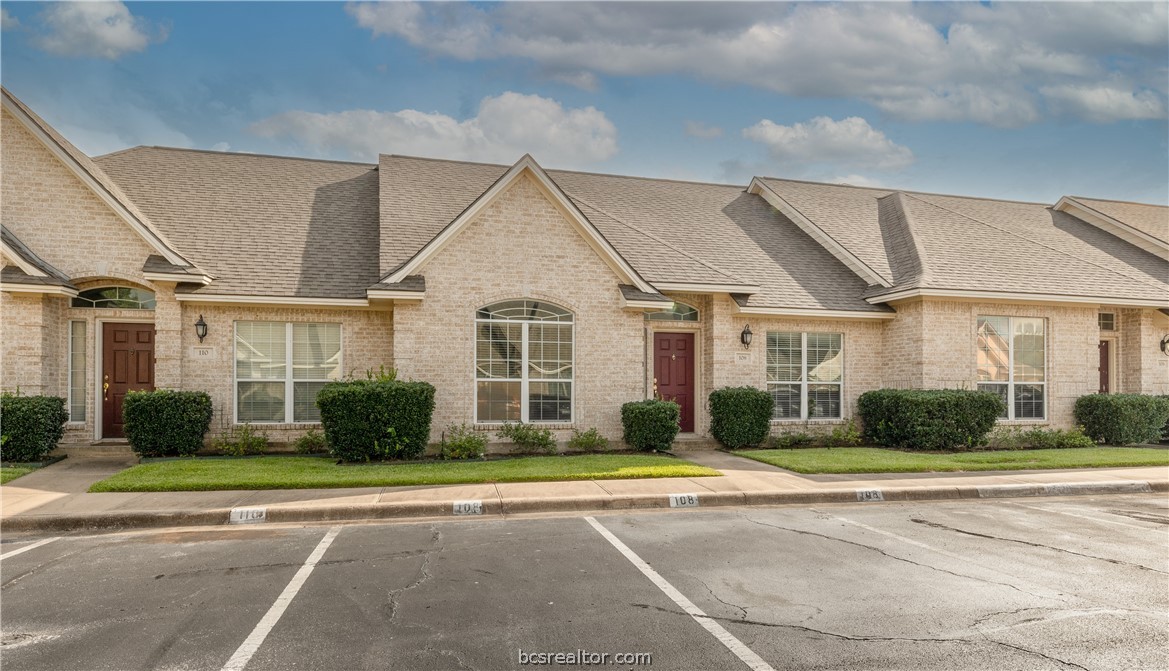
[{"x": 1011, "y": 100}]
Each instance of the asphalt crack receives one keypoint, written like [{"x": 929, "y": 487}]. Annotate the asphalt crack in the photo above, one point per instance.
[
  {"x": 424, "y": 573},
  {"x": 1118, "y": 562},
  {"x": 742, "y": 611},
  {"x": 892, "y": 556}
]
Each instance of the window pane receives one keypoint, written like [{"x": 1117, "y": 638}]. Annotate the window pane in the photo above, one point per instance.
[
  {"x": 304, "y": 401},
  {"x": 1028, "y": 343},
  {"x": 1028, "y": 401},
  {"x": 524, "y": 310},
  {"x": 1107, "y": 321},
  {"x": 993, "y": 356},
  {"x": 824, "y": 358},
  {"x": 316, "y": 351},
  {"x": 680, "y": 312},
  {"x": 786, "y": 399},
  {"x": 1001, "y": 390},
  {"x": 784, "y": 359},
  {"x": 498, "y": 352},
  {"x": 77, "y": 371},
  {"x": 550, "y": 351},
  {"x": 823, "y": 401},
  {"x": 126, "y": 298},
  {"x": 260, "y": 402},
  {"x": 550, "y": 402},
  {"x": 260, "y": 350},
  {"x": 498, "y": 402}
]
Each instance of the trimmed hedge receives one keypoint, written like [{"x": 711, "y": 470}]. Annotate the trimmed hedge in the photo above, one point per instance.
[
  {"x": 740, "y": 416},
  {"x": 31, "y": 426},
  {"x": 1122, "y": 419},
  {"x": 166, "y": 422},
  {"x": 650, "y": 425},
  {"x": 929, "y": 419},
  {"x": 376, "y": 419}
]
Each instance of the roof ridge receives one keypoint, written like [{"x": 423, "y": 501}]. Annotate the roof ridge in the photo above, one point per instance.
[
  {"x": 1121, "y": 202},
  {"x": 233, "y": 153},
  {"x": 571, "y": 172},
  {"x": 1035, "y": 242},
  {"x": 654, "y": 238},
  {"x": 890, "y": 190},
  {"x": 922, "y": 272}
]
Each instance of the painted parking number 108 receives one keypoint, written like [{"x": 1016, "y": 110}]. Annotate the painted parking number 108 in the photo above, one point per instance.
[{"x": 683, "y": 500}]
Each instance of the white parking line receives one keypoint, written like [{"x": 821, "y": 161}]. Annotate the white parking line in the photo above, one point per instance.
[
  {"x": 254, "y": 640},
  {"x": 753, "y": 661},
  {"x": 1083, "y": 517},
  {"x": 26, "y": 548}
]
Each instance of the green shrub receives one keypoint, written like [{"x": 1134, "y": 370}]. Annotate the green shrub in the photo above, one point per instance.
[
  {"x": 1122, "y": 419},
  {"x": 31, "y": 426},
  {"x": 366, "y": 419},
  {"x": 240, "y": 441},
  {"x": 930, "y": 419},
  {"x": 788, "y": 441},
  {"x": 1165, "y": 429},
  {"x": 588, "y": 441},
  {"x": 528, "y": 438},
  {"x": 382, "y": 374},
  {"x": 312, "y": 442},
  {"x": 166, "y": 422},
  {"x": 1037, "y": 438},
  {"x": 650, "y": 425},
  {"x": 740, "y": 416},
  {"x": 844, "y": 435},
  {"x": 460, "y": 441}
]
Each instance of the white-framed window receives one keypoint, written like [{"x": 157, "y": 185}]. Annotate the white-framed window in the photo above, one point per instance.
[
  {"x": 1012, "y": 362},
  {"x": 678, "y": 312},
  {"x": 523, "y": 362},
  {"x": 77, "y": 363},
  {"x": 280, "y": 367},
  {"x": 1107, "y": 321},
  {"x": 805, "y": 375}
]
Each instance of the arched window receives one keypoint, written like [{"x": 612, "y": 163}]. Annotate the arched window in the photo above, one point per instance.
[
  {"x": 680, "y": 312},
  {"x": 122, "y": 298},
  {"x": 523, "y": 362}
]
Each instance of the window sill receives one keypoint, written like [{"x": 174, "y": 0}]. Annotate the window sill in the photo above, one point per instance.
[
  {"x": 281, "y": 425},
  {"x": 812, "y": 422},
  {"x": 495, "y": 426},
  {"x": 1021, "y": 422}
]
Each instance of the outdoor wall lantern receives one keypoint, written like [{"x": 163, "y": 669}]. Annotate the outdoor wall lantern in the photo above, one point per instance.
[
  {"x": 1165, "y": 345},
  {"x": 201, "y": 328},
  {"x": 745, "y": 337}
]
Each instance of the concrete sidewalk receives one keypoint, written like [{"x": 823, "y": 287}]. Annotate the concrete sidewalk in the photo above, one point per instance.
[{"x": 55, "y": 498}]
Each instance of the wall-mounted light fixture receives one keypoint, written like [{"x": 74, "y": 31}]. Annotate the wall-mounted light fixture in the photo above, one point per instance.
[
  {"x": 201, "y": 328},
  {"x": 1165, "y": 345},
  {"x": 745, "y": 337}
]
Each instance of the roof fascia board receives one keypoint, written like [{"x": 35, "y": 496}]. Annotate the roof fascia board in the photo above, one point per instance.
[
  {"x": 826, "y": 314},
  {"x": 1113, "y": 226},
  {"x": 556, "y": 195},
  {"x": 69, "y": 162},
  {"x": 20, "y": 261},
  {"x": 51, "y": 289},
  {"x": 706, "y": 288},
  {"x": 274, "y": 300},
  {"x": 629, "y": 304},
  {"x": 846, "y": 257},
  {"x": 393, "y": 295},
  {"x": 178, "y": 278},
  {"x": 993, "y": 296}
]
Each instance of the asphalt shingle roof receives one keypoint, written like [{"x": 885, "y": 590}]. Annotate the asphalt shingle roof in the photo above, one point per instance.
[
  {"x": 1152, "y": 220},
  {"x": 52, "y": 275},
  {"x": 262, "y": 225}
]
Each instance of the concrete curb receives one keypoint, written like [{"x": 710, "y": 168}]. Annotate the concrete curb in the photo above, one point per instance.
[{"x": 494, "y": 507}]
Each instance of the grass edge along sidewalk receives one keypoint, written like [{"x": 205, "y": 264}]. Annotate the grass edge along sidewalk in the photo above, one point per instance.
[
  {"x": 10, "y": 473},
  {"x": 883, "y": 460},
  {"x": 320, "y": 472}
]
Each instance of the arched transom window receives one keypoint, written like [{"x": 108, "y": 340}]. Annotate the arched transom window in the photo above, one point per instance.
[
  {"x": 523, "y": 362},
  {"x": 123, "y": 298},
  {"x": 679, "y": 312}
]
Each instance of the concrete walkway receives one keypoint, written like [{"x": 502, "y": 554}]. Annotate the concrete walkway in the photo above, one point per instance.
[{"x": 55, "y": 498}]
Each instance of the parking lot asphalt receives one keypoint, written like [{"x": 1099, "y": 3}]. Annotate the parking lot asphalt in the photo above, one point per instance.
[{"x": 1053, "y": 583}]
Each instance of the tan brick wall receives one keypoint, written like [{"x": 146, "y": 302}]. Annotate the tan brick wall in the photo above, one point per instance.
[
  {"x": 521, "y": 246},
  {"x": 31, "y": 358},
  {"x": 57, "y": 216},
  {"x": 1143, "y": 369}
]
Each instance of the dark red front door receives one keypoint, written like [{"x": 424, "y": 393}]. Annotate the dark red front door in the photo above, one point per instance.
[
  {"x": 1105, "y": 360},
  {"x": 674, "y": 372},
  {"x": 127, "y": 362}
]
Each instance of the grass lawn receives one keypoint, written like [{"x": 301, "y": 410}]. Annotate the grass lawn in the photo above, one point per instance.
[
  {"x": 879, "y": 460},
  {"x": 315, "y": 472},
  {"x": 11, "y": 473}
]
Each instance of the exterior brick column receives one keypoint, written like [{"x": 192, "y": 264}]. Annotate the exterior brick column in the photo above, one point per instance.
[{"x": 168, "y": 337}]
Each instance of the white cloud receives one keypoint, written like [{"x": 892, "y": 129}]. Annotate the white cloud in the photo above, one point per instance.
[
  {"x": 921, "y": 61},
  {"x": 8, "y": 21},
  {"x": 700, "y": 130},
  {"x": 506, "y": 127},
  {"x": 1103, "y": 104},
  {"x": 98, "y": 29},
  {"x": 850, "y": 142},
  {"x": 221, "y": 146},
  {"x": 857, "y": 180},
  {"x": 586, "y": 81}
]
